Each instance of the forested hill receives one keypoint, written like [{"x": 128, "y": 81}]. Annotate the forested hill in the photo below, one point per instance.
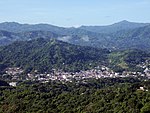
[
  {"x": 47, "y": 54},
  {"x": 44, "y": 55},
  {"x": 128, "y": 60}
]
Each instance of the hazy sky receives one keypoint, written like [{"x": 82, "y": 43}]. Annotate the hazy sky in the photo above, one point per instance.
[{"x": 74, "y": 12}]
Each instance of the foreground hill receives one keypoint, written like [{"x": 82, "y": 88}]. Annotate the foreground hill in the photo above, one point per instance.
[
  {"x": 116, "y": 95},
  {"x": 44, "y": 55}
]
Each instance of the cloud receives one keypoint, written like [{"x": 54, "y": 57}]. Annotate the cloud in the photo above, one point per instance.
[
  {"x": 65, "y": 38},
  {"x": 85, "y": 38}
]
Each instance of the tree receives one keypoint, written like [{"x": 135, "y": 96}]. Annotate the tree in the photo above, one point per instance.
[{"x": 146, "y": 108}]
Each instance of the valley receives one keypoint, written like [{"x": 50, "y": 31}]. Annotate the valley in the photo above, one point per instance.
[{"x": 90, "y": 69}]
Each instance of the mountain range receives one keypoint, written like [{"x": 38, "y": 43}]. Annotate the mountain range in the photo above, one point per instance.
[
  {"x": 109, "y": 68},
  {"x": 123, "y": 25},
  {"x": 121, "y": 35}
]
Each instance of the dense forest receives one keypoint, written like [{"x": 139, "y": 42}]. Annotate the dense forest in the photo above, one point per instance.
[
  {"x": 128, "y": 60},
  {"x": 111, "y": 95},
  {"x": 44, "y": 55}
]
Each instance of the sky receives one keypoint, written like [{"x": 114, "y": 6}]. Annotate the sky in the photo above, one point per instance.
[{"x": 68, "y": 13}]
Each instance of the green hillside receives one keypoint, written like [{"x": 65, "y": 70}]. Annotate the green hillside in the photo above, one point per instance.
[
  {"x": 128, "y": 60},
  {"x": 45, "y": 55}
]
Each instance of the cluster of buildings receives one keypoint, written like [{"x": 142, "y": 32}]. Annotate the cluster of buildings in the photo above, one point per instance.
[
  {"x": 16, "y": 74},
  {"x": 14, "y": 71}
]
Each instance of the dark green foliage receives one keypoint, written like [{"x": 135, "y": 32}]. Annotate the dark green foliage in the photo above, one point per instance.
[
  {"x": 146, "y": 108},
  {"x": 45, "y": 55},
  {"x": 104, "y": 95},
  {"x": 136, "y": 56},
  {"x": 128, "y": 60}
]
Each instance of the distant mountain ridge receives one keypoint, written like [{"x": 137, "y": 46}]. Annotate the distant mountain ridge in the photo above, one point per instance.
[
  {"x": 121, "y": 35},
  {"x": 123, "y": 25},
  {"x": 10, "y": 37},
  {"x": 17, "y": 27}
]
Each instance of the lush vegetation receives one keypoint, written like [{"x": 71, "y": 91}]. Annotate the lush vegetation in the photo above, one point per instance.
[
  {"x": 44, "y": 55},
  {"x": 93, "y": 96},
  {"x": 128, "y": 60}
]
